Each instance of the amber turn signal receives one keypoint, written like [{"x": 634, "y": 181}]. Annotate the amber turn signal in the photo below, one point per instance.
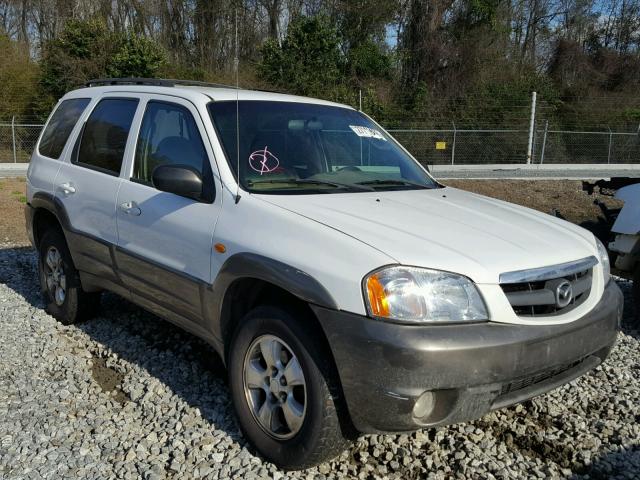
[
  {"x": 220, "y": 248},
  {"x": 377, "y": 297}
]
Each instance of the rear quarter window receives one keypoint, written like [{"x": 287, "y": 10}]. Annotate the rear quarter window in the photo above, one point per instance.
[{"x": 60, "y": 125}]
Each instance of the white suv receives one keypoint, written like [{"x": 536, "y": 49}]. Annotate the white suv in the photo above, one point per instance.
[{"x": 346, "y": 290}]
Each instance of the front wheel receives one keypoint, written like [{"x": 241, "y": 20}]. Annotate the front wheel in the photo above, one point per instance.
[{"x": 281, "y": 383}]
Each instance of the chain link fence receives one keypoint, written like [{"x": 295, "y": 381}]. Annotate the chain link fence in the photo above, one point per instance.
[
  {"x": 441, "y": 146},
  {"x": 17, "y": 141},
  {"x": 473, "y": 147}
]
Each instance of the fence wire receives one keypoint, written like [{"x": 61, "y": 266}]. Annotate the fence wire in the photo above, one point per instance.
[
  {"x": 441, "y": 146},
  {"x": 472, "y": 147},
  {"x": 17, "y": 141}
]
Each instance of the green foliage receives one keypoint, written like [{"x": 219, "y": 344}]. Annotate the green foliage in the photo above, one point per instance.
[
  {"x": 631, "y": 115},
  {"x": 136, "y": 57},
  {"x": 483, "y": 11},
  {"x": 88, "y": 49},
  {"x": 308, "y": 62},
  {"x": 369, "y": 60},
  {"x": 18, "y": 79},
  {"x": 507, "y": 101}
]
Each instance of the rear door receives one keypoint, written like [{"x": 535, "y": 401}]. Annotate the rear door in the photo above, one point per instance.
[
  {"x": 87, "y": 185},
  {"x": 165, "y": 240},
  {"x": 52, "y": 147}
]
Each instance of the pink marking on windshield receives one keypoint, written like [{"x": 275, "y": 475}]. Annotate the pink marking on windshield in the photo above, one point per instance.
[{"x": 263, "y": 161}]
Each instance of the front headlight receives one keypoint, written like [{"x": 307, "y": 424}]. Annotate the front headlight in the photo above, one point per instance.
[
  {"x": 603, "y": 256},
  {"x": 420, "y": 295}
]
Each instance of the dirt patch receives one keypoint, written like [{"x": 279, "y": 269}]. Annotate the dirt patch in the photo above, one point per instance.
[
  {"x": 13, "y": 196},
  {"x": 108, "y": 379}
]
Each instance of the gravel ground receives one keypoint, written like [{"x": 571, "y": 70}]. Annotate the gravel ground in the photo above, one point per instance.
[{"x": 127, "y": 395}]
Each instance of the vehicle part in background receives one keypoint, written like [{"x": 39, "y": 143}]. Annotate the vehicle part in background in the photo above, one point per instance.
[
  {"x": 624, "y": 238},
  {"x": 626, "y": 243},
  {"x": 609, "y": 187}
]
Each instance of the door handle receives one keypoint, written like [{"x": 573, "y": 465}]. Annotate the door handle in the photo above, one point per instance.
[
  {"x": 68, "y": 188},
  {"x": 130, "y": 208}
]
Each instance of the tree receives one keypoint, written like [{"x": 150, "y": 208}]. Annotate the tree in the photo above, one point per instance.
[
  {"x": 308, "y": 62},
  {"x": 135, "y": 57},
  {"x": 18, "y": 79},
  {"x": 88, "y": 49},
  {"x": 423, "y": 41}
]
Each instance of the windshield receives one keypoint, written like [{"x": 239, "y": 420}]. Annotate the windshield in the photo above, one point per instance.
[{"x": 302, "y": 148}]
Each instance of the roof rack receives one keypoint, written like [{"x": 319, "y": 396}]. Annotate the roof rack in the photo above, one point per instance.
[{"x": 158, "y": 82}]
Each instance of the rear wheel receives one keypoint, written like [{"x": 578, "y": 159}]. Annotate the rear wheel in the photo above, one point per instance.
[
  {"x": 281, "y": 382},
  {"x": 636, "y": 294},
  {"x": 60, "y": 282}
]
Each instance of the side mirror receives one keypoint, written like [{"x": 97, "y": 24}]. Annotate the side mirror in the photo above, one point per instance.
[{"x": 178, "y": 179}]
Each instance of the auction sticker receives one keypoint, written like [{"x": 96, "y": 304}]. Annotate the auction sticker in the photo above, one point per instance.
[{"x": 367, "y": 132}]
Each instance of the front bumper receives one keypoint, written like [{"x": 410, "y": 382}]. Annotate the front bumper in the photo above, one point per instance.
[{"x": 470, "y": 369}]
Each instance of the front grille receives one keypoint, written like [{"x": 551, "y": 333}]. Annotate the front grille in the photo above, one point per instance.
[
  {"x": 536, "y": 293},
  {"x": 525, "y": 382}
]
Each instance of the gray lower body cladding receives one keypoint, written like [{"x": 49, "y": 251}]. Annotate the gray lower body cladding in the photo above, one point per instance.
[{"x": 470, "y": 369}]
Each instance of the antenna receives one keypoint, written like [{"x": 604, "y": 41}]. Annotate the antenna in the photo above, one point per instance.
[{"x": 236, "y": 63}]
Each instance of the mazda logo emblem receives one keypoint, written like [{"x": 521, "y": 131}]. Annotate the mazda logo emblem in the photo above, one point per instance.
[{"x": 564, "y": 294}]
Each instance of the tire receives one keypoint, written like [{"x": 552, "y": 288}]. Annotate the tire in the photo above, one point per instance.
[
  {"x": 636, "y": 295},
  {"x": 58, "y": 274},
  {"x": 318, "y": 436}
]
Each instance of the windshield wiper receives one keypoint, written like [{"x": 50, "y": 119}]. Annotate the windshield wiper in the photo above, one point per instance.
[
  {"x": 308, "y": 181},
  {"x": 392, "y": 182}
]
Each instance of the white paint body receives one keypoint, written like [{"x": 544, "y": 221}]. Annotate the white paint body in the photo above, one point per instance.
[
  {"x": 337, "y": 239},
  {"x": 627, "y": 228}
]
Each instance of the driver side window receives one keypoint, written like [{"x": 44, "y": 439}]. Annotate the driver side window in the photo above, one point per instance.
[{"x": 168, "y": 136}]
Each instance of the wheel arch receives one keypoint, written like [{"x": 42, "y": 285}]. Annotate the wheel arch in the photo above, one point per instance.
[
  {"x": 247, "y": 280},
  {"x": 250, "y": 280},
  {"x": 48, "y": 212}
]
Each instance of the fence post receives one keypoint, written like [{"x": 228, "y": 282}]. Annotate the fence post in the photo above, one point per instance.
[
  {"x": 610, "y": 140},
  {"x": 453, "y": 147},
  {"x": 532, "y": 122},
  {"x": 544, "y": 141},
  {"x": 360, "y": 99},
  {"x": 13, "y": 136}
]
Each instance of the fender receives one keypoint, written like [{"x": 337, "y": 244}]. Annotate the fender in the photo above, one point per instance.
[
  {"x": 48, "y": 202},
  {"x": 259, "y": 267}
]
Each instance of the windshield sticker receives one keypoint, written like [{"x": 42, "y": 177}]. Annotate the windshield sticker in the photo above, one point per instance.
[
  {"x": 263, "y": 161},
  {"x": 367, "y": 132}
]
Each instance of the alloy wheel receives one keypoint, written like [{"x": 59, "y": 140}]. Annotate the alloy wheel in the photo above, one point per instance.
[
  {"x": 54, "y": 275},
  {"x": 275, "y": 387}
]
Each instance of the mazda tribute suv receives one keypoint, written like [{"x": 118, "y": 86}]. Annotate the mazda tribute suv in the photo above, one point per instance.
[{"x": 346, "y": 290}]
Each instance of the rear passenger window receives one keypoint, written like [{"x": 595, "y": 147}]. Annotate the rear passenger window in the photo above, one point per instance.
[
  {"x": 168, "y": 136},
  {"x": 105, "y": 134},
  {"x": 59, "y": 128}
]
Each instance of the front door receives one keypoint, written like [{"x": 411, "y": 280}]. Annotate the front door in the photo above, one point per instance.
[{"x": 165, "y": 240}]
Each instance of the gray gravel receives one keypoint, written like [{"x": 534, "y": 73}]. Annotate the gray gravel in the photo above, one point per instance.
[{"x": 127, "y": 395}]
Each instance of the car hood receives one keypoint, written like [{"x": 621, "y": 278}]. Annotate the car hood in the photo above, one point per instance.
[{"x": 447, "y": 229}]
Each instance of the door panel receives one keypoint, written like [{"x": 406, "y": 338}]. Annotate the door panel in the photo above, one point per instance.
[
  {"x": 165, "y": 240},
  {"x": 88, "y": 192}
]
